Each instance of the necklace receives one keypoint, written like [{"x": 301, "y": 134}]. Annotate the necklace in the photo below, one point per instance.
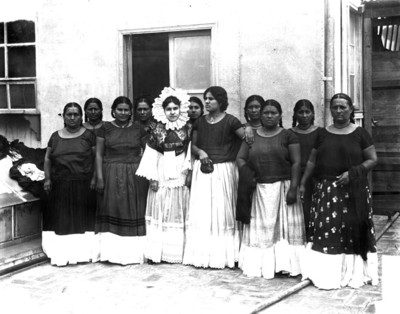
[
  {"x": 122, "y": 126},
  {"x": 215, "y": 119}
]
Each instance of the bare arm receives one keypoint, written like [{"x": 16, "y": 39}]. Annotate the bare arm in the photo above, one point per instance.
[
  {"x": 203, "y": 156},
  {"x": 47, "y": 171},
  {"x": 308, "y": 171},
  {"x": 243, "y": 155},
  {"x": 246, "y": 133},
  {"x": 99, "y": 164},
  {"x": 294, "y": 153}
]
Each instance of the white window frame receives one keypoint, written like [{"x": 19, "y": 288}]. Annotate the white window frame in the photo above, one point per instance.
[
  {"x": 125, "y": 48},
  {"x": 17, "y": 80}
]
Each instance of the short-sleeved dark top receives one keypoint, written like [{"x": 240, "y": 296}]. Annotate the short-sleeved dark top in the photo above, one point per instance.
[
  {"x": 72, "y": 158},
  {"x": 123, "y": 145},
  {"x": 337, "y": 153},
  {"x": 218, "y": 140},
  {"x": 307, "y": 142},
  {"x": 270, "y": 158}
]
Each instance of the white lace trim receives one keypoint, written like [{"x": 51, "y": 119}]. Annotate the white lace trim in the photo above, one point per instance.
[{"x": 158, "y": 110}]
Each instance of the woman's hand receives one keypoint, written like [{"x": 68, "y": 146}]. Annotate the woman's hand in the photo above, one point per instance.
[
  {"x": 343, "y": 179},
  {"x": 249, "y": 135},
  {"x": 302, "y": 190},
  {"x": 93, "y": 183},
  {"x": 154, "y": 185},
  {"x": 203, "y": 157},
  {"x": 188, "y": 180},
  {"x": 100, "y": 186},
  {"x": 291, "y": 196},
  {"x": 47, "y": 186}
]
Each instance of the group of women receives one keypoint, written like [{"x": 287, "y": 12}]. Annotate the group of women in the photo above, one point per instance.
[{"x": 167, "y": 187}]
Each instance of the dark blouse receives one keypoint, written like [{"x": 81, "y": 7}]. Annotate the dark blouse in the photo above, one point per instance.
[
  {"x": 218, "y": 140},
  {"x": 307, "y": 142},
  {"x": 123, "y": 145},
  {"x": 72, "y": 158},
  {"x": 269, "y": 156},
  {"x": 337, "y": 153},
  {"x": 163, "y": 140}
]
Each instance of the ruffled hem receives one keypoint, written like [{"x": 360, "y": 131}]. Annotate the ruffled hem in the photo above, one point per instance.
[
  {"x": 70, "y": 249},
  {"x": 334, "y": 271},
  {"x": 214, "y": 251},
  {"x": 121, "y": 250},
  {"x": 265, "y": 262}
]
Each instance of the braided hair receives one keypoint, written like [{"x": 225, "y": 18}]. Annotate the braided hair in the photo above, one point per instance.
[
  {"x": 298, "y": 105},
  {"x": 257, "y": 98}
]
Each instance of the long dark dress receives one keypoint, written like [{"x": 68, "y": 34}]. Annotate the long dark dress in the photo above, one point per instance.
[
  {"x": 334, "y": 220},
  {"x": 307, "y": 142},
  {"x": 122, "y": 208},
  {"x": 70, "y": 211}
]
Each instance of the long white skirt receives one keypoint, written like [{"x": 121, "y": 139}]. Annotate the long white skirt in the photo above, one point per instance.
[
  {"x": 122, "y": 250},
  {"x": 334, "y": 271},
  {"x": 71, "y": 248},
  {"x": 275, "y": 238},
  {"x": 212, "y": 233},
  {"x": 165, "y": 223}
]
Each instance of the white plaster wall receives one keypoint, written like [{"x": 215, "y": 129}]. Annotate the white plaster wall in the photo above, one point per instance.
[{"x": 274, "y": 48}]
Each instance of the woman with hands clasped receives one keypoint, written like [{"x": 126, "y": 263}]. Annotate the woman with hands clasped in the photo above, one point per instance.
[
  {"x": 274, "y": 240},
  {"x": 342, "y": 247},
  {"x": 121, "y": 206},
  {"x": 212, "y": 232},
  {"x": 68, "y": 219}
]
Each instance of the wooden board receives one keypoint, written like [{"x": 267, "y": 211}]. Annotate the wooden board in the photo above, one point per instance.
[{"x": 386, "y": 181}]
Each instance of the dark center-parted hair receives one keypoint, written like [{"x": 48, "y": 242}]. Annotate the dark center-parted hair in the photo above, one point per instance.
[
  {"x": 220, "y": 95},
  {"x": 273, "y": 103},
  {"x": 121, "y": 100},
  {"x": 95, "y": 101},
  {"x": 298, "y": 105},
  {"x": 198, "y": 101},
  {"x": 142, "y": 99},
  {"x": 72, "y": 105},
  {"x": 349, "y": 102},
  {"x": 170, "y": 99},
  {"x": 257, "y": 98}
]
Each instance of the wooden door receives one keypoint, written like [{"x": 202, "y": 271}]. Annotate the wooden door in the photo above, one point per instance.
[{"x": 382, "y": 103}]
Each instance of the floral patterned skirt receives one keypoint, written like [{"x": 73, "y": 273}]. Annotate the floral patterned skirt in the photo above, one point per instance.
[{"x": 332, "y": 219}]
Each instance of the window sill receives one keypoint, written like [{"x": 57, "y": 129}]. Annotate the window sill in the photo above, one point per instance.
[{"x": 20, "y": 111}]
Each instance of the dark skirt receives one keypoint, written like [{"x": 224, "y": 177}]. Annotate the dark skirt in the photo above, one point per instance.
[
  {"x": 70, "y": 208},
  {"x": 122, "y": 207},
  {"x": 332, "y": 219}
]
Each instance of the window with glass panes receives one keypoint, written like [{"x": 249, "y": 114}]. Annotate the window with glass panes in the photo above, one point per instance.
[{"x": 17, "y": 66}]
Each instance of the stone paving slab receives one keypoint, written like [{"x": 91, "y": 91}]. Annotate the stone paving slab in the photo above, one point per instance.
[{"x": 169, "y": 288}]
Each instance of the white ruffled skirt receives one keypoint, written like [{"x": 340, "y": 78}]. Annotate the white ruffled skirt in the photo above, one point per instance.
[
  {"x": 274, "y": 240},
  {"x": 334, "y": 271},
  {"x": 71, "y": 248},
  {"x": 165, "y": 224},
  {"x": 122, "y": 250},
  {"x": 212, "y": 232}
]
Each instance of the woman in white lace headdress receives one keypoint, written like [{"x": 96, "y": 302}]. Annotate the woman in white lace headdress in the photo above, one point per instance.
[{"x": 166, "y": 163}]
